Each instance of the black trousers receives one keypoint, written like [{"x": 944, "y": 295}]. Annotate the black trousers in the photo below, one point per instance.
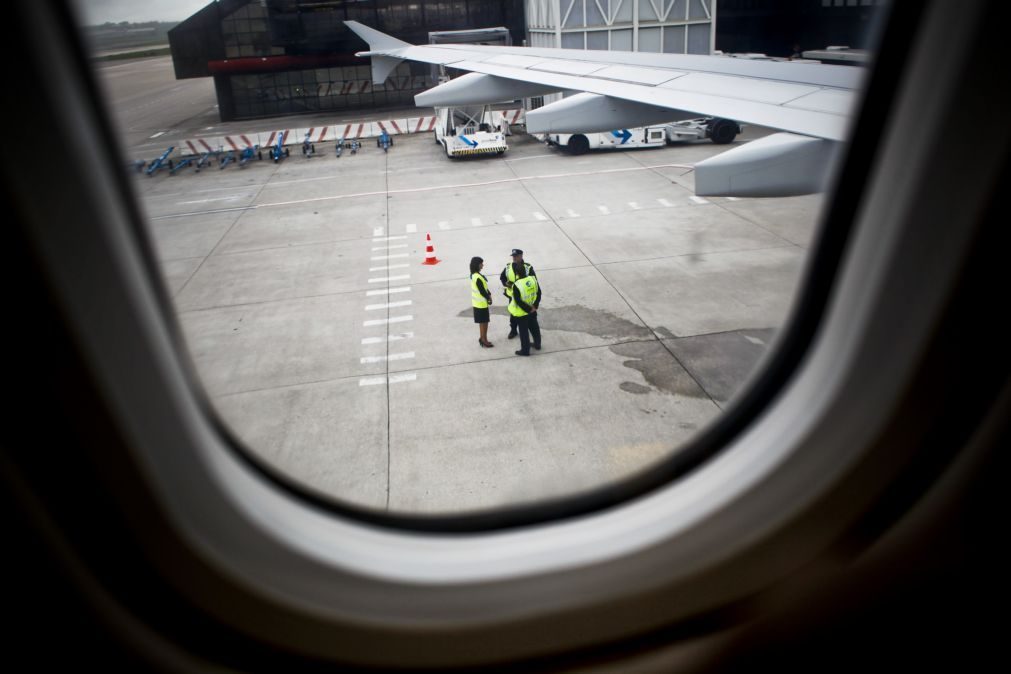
[{"x": 528, "y": 326}]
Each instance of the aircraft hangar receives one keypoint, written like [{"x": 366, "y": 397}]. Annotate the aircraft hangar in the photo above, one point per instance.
[{"x": 285, "y": 57}]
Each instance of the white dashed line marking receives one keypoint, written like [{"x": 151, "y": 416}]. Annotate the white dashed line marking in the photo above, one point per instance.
[
  {"x": 384, "y": 279},
  {"x": 385, "y": 321},
  {"x": 508, "y": 218},
  {"x": 377, "y": 231},
  {"x": 664, "y": 202},
  {"x": 539, "y": 216},
  {"x": 388, "y": 305},
  {"x": 388, "y": 257},
  {"x": 476, "y": 222},
  {"x": 388, "y": 238},
  {"x": 393, "y": 356},
  {"x": 634, "y": 205},
  {"x": 392, "y": 379},
  {"x": 699, "y": 200},
  {"x": 604, "y": 210},
  {"x": 443, "y": 224},
  {"x": 412, "y": 228},
  {"x": 390, "y": 247},
  {"x": 391, "y": 338},
  {"x": 388, "y": 291},
  {"x": 391, "y": 266},
  {"x": 571, "y": 213}
]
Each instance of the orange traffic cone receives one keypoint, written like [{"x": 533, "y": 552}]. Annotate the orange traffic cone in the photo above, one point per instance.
[{"x": 430, "y": 252}]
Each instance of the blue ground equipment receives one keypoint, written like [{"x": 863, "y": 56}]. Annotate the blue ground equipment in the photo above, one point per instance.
[
  {"x": 278, "y": 151},
  {"x": 160, "y": 162}
]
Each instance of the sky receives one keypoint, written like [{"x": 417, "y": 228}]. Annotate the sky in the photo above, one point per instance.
[{"x": 95, "y": 12}]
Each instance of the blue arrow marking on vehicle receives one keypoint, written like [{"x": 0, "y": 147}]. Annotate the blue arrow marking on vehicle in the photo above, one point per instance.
[
  {"x": 468, "y": 141},
  {"x": 624, "y": 134}
]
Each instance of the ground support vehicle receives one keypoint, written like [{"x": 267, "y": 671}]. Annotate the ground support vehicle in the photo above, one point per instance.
[
  {"x": 468, "y": 131},
  {"x": 720, "y": 131}
]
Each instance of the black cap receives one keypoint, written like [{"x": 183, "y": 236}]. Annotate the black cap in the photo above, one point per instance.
[{"x": 517, "y": 251}]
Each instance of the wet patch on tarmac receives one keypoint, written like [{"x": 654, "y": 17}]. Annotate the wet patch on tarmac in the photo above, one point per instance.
[
  {"x": 631, "y": 387},
  {"x": 658, "y": 368},
  {"x": 596, "y": 322},
  {"x": 664, "y": 333},
  {"x": 723, "y": 361},
  {"x": 575, "y": 318}
]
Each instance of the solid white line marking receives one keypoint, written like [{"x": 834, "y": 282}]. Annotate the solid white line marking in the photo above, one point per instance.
[
  {"x": 604, "y": 209},
  {"x": 634, "y": 205},
  {"x": 412, "y": 228},
  {"x": 388, "y": 257},
  {"x": 699, "y": 200},
  {"x": 388, "y": 238},
  {"x": 664, "y": 202},
  {"x": 733, "y": 199},
  {"x": 508, "y": 218},
  {"x": 391, "y": 266},
  {"x": 384, "y": 321},
  {"x": 443, "y": 224},
  {"x": 204, "y": 201},
  {"x": 390, "y": 338},
  {"x": 754, "y": 340},
  {"x": 377, "y": 231},
  {"x": 160, "y": 133},
  {"x": 388, "y": 305},
  {"x": 387, "y": 291},
  {"x": 392, "y": 356},
  {"x": 476, "y": 222},
  {"x": 384, "y": 279},
  {"x": 539, "y": 216},
  {"x": 392, "y": 379}
]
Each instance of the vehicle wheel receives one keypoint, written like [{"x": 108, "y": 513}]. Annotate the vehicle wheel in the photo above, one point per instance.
[
  {"x": 287, "y": 152},
  {"x": 722, "y": 131},
  {"x": 259, "y": 155},
  {"x": 436, "y": 137},
  {"x": 578, "y": 144}
]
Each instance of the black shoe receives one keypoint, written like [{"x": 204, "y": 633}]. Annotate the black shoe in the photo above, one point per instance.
[
  {"x": 537, "y": 346},
  {"x": 512, "y": 334},
  {"x": 520, "y": 353}
]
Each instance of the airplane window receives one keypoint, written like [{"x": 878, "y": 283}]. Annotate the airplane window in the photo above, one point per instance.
[{"x": 318, "y": 246}]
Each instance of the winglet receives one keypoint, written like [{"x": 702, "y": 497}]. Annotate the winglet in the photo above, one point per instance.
[
  {"x": 382, "y": 64},
  {"x": 377, "y": 41}
]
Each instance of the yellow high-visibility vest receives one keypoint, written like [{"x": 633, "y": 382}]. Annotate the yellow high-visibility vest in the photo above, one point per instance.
[
  {"x": 476, "y": 298},
  {"x": 511, "y": 277},
  {"x": 528, "y": 293}
]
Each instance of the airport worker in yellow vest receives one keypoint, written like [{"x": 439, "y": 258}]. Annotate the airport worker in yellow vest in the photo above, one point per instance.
[
  {"x": 480, "y": 298},
  {"x": 508, "y": 278},
  {"x": 523, "y": 307}
]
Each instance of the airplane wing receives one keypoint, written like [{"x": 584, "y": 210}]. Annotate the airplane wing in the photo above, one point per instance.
[{"x": 811, "y": 103}]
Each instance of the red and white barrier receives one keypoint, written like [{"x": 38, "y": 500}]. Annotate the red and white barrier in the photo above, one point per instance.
[{"x": 321, "y": 134}]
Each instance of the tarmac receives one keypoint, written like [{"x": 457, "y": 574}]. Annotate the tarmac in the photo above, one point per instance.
[{"x": 339, "y": 358}]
